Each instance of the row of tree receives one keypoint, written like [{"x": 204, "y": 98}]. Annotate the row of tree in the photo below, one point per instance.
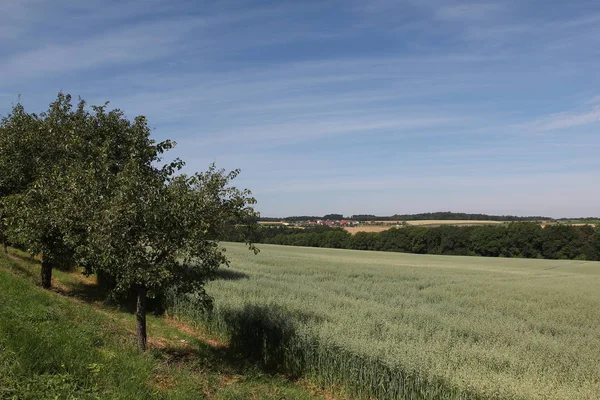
[
  {"x": 516, "y": 239},
  {"x": 448, "y": 215},
  {"x": 87, "y": 186},
  {"x": 442, "y": 215}
]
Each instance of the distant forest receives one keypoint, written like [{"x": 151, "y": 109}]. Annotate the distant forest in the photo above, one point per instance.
[
  {"x": 515, "y": 239},
  {"x": 441, "y": 215}
]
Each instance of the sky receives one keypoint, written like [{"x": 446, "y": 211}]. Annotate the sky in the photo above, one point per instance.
[{"x": 352, "y": 107}]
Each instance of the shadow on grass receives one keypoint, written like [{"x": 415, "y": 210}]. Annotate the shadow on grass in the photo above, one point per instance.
[
  {"x": 90, "y": 292},
  {"x": 268, "y": 336},
  {"x": 22, "y": 264},
  {"x": 230, "y": 275},
  {"x": 199, "y": 355},
  {"x": 262, "y": 340}
]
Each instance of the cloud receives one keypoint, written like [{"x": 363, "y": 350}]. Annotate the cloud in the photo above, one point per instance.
[
  {"x": 298, "y": 132},
  {"x": 139, "y": 43},
  {"x": 564, "y": 120},
  {"x": 467, "y": 11},
  {"x": 581, "y": 21},
  {"x": 122, "y": 34}
]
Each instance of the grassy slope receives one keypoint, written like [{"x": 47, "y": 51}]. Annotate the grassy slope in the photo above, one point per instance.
[
  {"x": 505, "y": 328},
  {"x": 62, "y": 344}
]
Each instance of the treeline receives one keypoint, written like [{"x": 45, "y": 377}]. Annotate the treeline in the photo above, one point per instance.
[
  {"x": 442, "y": 215},
  {"x": 516, "y": 239},
  {"x": 86, "y": 186},
  {"x": 447, "y": 215}
]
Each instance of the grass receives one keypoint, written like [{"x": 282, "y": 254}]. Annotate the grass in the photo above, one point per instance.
[
  {"x": 389, "y": 325},
  {"x": 70, "y": 344}
]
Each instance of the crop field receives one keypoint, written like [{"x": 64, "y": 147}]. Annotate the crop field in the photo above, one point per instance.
[
  {"x": 581, "y": 222},
  {"x": 367, "y": 228},
  {"x": 394, "y": 326},
  {"x": 466, "y": 222},
  {"x": 385, "y": 225}
]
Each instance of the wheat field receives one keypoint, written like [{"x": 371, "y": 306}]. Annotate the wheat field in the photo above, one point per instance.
[
  {"x": 385, "y": 225},
  {"x": 408, "y": 326}
]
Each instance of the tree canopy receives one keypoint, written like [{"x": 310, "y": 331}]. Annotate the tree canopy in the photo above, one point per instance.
[{"x": 88, "y": 186}]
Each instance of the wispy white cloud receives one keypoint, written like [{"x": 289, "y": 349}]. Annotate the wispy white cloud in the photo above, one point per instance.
[
  {"x": 308, "y": 131},
  {"x": 563, "y": 120},
  {"x": 124, "y": 33},
  {"x": 136, "y": 44},
  {"x": 468, "y": 11},
  {"x": 594, "y": 100},
  {"x": 581, "y": 21}
]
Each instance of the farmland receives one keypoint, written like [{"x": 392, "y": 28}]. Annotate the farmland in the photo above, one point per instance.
[
  {"x": 420, "y": 326},
  {"x": 385, "y": 225}
]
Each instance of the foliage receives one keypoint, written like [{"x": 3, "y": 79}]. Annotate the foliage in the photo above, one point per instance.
[
  {"x": 442, "y": 215},
  {"x": 159, "y": 235},
  {"x": 35, "y": 152},
  {"x": 517, "y": 239},
  {"x": 335, "y": 217},
  {"x": 89, "y": 187},
  {"x": 392, "y": 326},
  {"x": 149, "y": 229}
]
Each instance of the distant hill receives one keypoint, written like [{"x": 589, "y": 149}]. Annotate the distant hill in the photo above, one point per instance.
[
  {"x": 448, "y": 215},
  {"x": 442, "y": 215}
]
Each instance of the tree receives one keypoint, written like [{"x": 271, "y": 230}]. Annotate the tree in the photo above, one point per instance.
[
  {"x": 151, "y": 230},
  {"x": 3, "y": 227},
  {"x": 34, "y": 153},
  {"x": 16, "y": 159},
  {"x": 154, "y": 235}
]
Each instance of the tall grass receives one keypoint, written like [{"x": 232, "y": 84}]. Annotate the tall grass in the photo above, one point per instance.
[
  {"x": 394, "y": 326},
  {"x": 51, "y": 349},
  {"x": 54, "y": 346}
]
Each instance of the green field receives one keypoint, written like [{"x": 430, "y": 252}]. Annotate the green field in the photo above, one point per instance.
[
  {"x": 69, "y": 344},
  {"x": 391, "y": 325}
]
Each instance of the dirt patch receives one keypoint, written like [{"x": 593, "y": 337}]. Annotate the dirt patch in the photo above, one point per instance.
[
  {"x": 329, "y": 393},
  {"x": 157, "y": 342},
  {"x": 164, "y": 383},
  {"x": 187, "y": 329}
]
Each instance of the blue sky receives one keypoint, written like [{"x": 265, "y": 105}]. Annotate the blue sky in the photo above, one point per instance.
[{"x": 347, "y": 106}]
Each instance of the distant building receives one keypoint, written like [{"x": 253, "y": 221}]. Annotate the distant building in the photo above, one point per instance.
[{"x": 348, "y": 222}]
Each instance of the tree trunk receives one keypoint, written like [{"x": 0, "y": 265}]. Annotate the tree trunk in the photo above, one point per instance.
[
  {"x": 3, "y": 233},
  {"x": 46, "y": 273},
  {"x": 141, "y": 318}
]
